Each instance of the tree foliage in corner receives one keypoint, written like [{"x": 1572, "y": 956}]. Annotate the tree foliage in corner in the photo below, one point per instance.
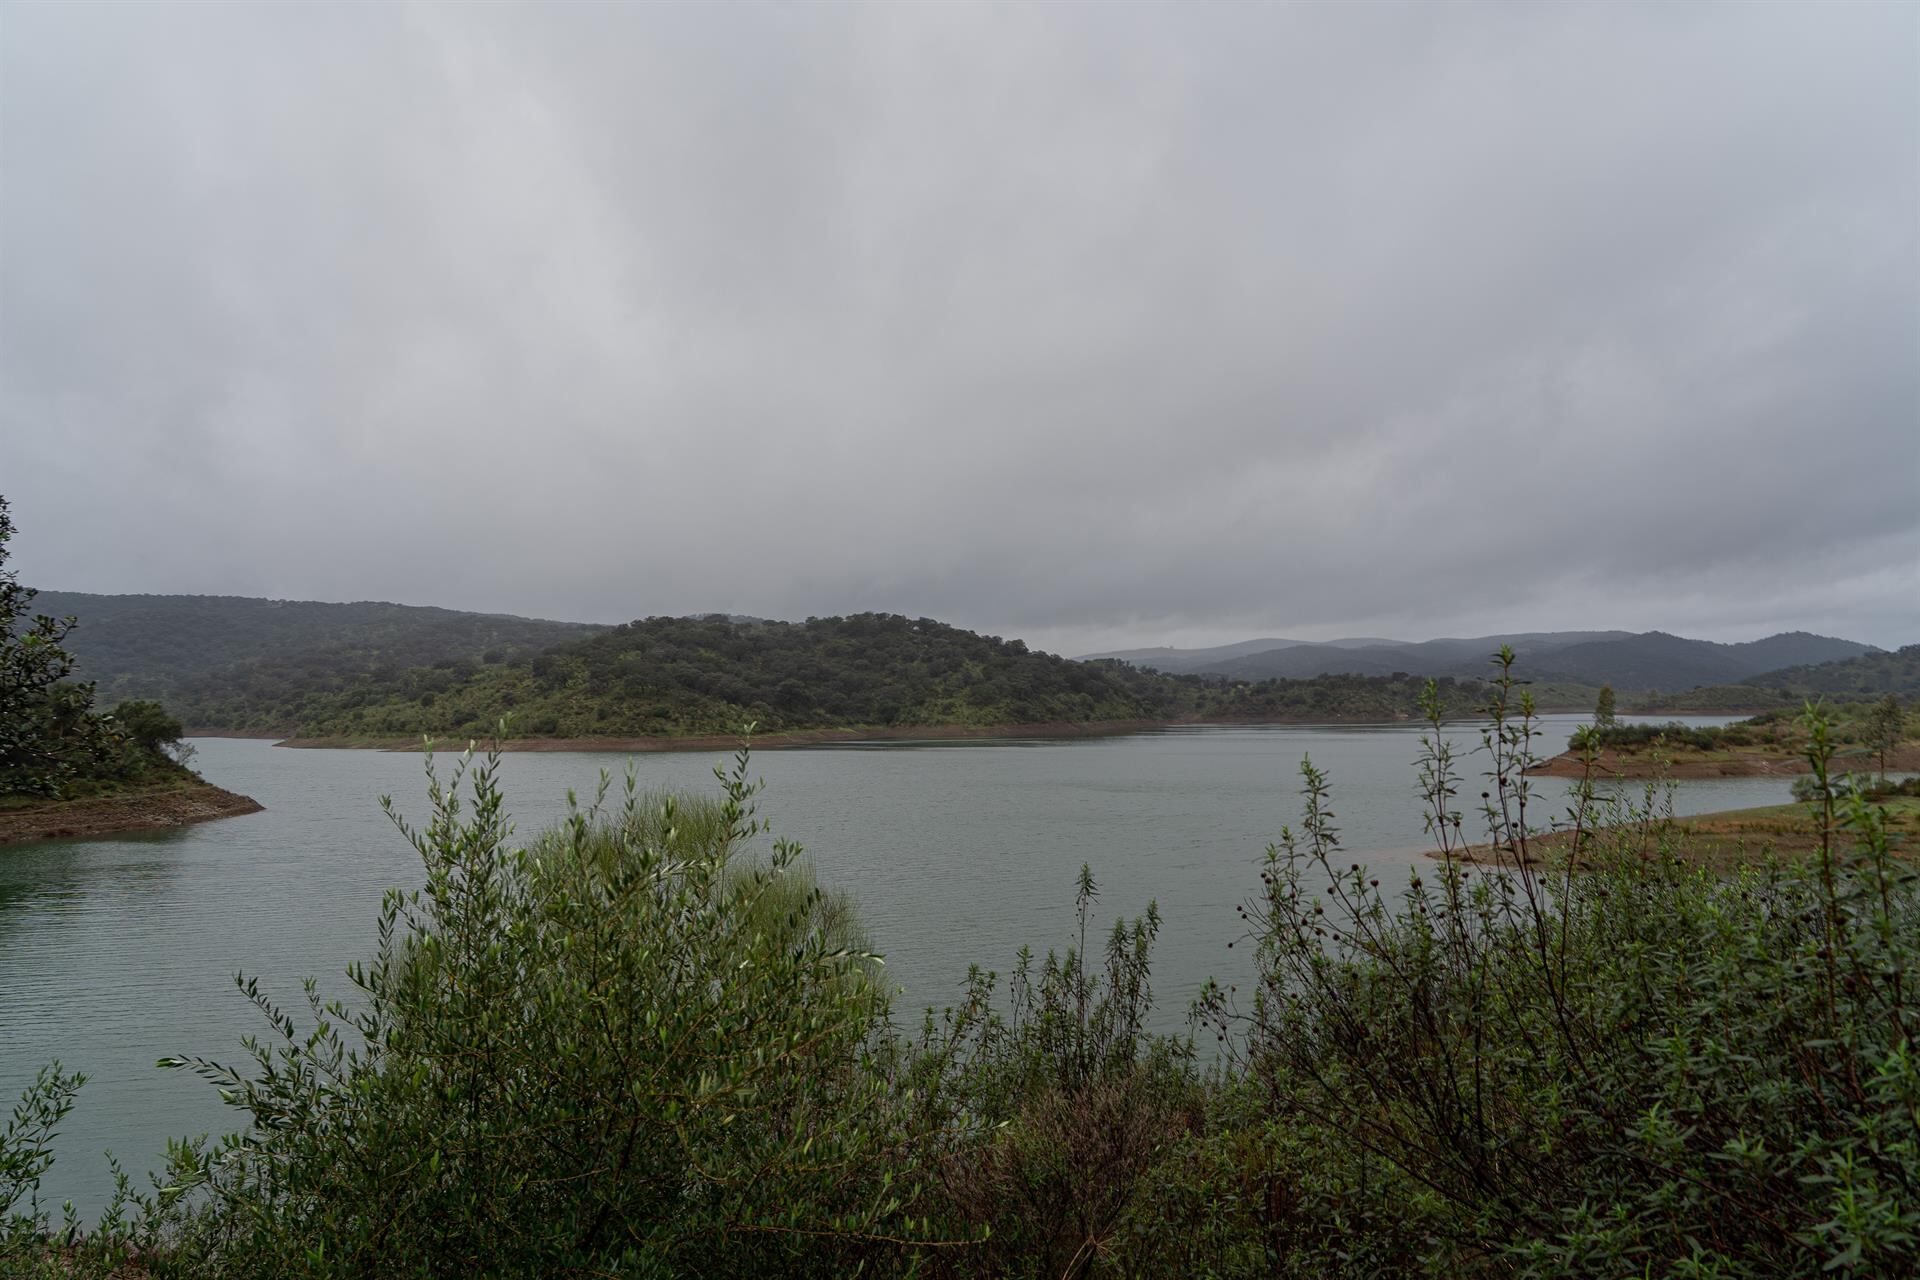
[
  {"x": 50, "y": 739},
  {"x": 46, "y": 729}
]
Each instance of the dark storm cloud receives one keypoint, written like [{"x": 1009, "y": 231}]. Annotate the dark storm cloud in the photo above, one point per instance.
[{"x": 1091, "y": 324}]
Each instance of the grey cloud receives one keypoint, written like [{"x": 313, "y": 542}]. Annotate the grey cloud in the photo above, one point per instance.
[{"x": 1108, "y": 325}]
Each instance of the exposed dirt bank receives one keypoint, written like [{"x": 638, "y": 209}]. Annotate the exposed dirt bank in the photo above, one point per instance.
[
  {"x": 1735, "y": 837},
  {"x": 815, "y": 737},
  {"x": 129, "y": 811},
  {"x": 1732, "y": 763},
  {"x": 760, "y": 741}
]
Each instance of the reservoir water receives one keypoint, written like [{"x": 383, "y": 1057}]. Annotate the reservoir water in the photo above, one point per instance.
[{"x": 114, "y": 953}]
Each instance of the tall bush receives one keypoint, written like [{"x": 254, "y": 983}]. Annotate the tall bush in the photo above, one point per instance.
[
  {"x": 626, "y": 1048},
  {"x": 1615, "y": 1063}
]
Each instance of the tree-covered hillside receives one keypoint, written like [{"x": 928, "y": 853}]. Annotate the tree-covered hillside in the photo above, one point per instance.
[
  {"x": 1869, "y": 675},
  {"x": 679, "y": 676},
  {"x": 1865, "y": 678},
  {"x": 1665, "y": 662},
  {"x": 1652, "y": 661},
  {"x": 708, "y": 675},
  {"x": 237, "y": 662}
]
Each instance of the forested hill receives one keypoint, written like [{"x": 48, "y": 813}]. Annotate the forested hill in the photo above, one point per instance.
[
  {"x": 1865, "y": 678},
  {"x": 1657, "y": 660},
  {"x": 231, "y": 661},
  {"x": 1871, "y": 675},
  {"x": 681, "y": 676},
  {"x": 1650, "y": 661}
]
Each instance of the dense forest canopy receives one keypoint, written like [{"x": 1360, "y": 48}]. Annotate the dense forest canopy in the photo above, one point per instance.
[{"x": 665, "y": 676}]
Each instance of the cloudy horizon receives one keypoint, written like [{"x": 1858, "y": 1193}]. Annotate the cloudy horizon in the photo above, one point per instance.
[{"x": 1103, "y": 327}]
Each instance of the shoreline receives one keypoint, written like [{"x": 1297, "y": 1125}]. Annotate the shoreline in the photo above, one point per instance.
[
  {"x": 828, "y": 736},
  {"x": 1613, "y": 765},
  {"x": 129, "y": 811},
  {"x": 821, "y": 737},
  {"x": 731, "y": 741},
  {"x": 1720, "y": 841}
]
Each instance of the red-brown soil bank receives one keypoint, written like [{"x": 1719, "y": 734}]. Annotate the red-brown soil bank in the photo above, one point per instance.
[{"x": 129, "y": 811}]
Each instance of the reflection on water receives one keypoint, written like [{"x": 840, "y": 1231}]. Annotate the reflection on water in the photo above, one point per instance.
[{"x": 114, "y": 953}]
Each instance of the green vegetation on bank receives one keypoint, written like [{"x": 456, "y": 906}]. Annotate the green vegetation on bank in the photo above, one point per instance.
[
  {"x": 53, "y": 746},
  {"x": 636, "y": 1047},
  {"x": 1878, "y": 735},
  {"x": 680, "y": 676}
]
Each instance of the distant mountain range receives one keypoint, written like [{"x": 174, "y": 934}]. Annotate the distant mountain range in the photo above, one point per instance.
[{"x": 1651, "y": 660}]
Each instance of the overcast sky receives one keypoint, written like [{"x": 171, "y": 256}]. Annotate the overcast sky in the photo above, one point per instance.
[{"x": 1094, "y": 324}]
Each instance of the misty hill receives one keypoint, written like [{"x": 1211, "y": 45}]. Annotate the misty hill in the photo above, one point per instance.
[
  {"x": 665, "y": 677},
  {"x": 1304, "y": 662},
  {"x": 1864, "y": 678},
  {"x": 669, "y": 676},
  {"x": 1870, "y": 675},
  {"x": 210, "y": 657},
  {"x": 1174, "y": 661},
  {"x": 1179, "y": 661},
  {"x": 1260, "y": 659},
  {"x": 250, "y": 665},
  {"x": 1652, "y": 661},
  {"x": 1460, "y": 656},
  {"x": 1665, "y": 662},
  {"x": 239, "y": 664}
]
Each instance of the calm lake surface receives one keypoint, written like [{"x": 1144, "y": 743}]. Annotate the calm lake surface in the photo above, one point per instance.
[{"x": 116, "y": 952}]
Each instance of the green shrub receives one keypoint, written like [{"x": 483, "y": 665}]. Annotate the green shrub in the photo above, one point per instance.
[
  {"x": 627, "y": 1048},
  {"x": 1636, "y": 737},
  {"x": 1628, "y": 1068},
  {"x": 1041, "y": 1127},
  {"x": 632, "y": 1047},
  {"x": 146, "y": 725}
]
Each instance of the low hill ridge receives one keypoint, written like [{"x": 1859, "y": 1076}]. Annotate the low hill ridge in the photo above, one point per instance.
[
  {"x": 208, "y": 656},
  {"x": 1653, "y": 660}
]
